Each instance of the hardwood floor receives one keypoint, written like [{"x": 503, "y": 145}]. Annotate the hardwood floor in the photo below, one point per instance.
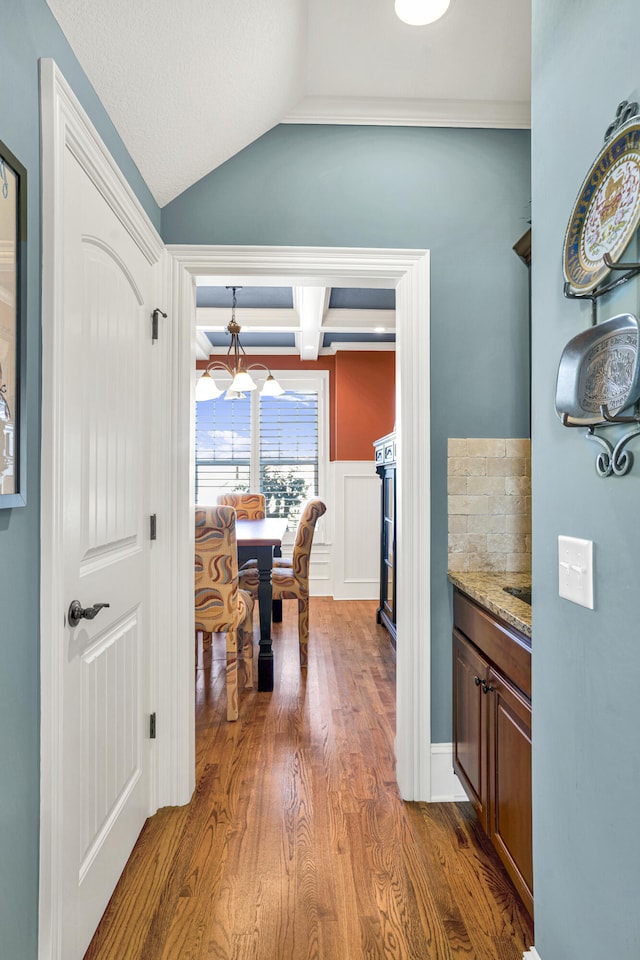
[{"x": 296, "y": 844}]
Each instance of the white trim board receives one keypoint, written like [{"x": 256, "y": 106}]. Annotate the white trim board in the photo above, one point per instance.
[
  {"x": 410, "y": 112},
  {"x": 445, "y": 785},
  {"x": 407, "y": 271},
  {"x": 531, "y": 954}
]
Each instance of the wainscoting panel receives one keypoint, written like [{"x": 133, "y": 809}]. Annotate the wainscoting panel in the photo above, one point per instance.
[{"x": 356, "y": 540}]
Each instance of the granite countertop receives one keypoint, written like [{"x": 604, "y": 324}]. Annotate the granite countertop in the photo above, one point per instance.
[{"x": 486, "y": 589}]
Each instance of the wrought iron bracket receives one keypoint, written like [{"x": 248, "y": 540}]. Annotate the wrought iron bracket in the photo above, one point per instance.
[
  {"x": 614, "y": 459},
  {"x": 633, "y": 269}
]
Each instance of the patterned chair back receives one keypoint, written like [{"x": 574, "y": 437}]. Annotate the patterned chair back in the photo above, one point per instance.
[
  {"x": 312, "y": 510},
  {"x": 216, "y": 569},
  {"x": 248, "y": 506}
]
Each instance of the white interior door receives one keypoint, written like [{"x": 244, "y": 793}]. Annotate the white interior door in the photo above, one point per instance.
[{"x": 107, "y": 296}]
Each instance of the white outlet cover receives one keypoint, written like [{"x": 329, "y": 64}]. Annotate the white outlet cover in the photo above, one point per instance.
[{"x": 575, "y": 570}]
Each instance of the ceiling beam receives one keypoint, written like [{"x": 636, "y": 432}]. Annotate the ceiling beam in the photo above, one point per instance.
[
  {"x": 311, "y": 304},
  {"x": 359, "y": 321},
  {"x": 203, "y": 345}
]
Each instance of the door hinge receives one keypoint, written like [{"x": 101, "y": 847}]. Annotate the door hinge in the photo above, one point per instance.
[
  {"x": 157, "y": 313},
  {"x": 153, "y": 527},
  {"x": 152, "y": 726}
]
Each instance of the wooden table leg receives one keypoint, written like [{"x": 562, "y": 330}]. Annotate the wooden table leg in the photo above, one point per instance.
[
  {"x": 276, "y": 605},
  {"x": 265, "y": 657}
]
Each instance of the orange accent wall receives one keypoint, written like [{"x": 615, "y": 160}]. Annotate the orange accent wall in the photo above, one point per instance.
[
  {"x": 362, "y": 387},
  {"x": 365, "y": 401}
]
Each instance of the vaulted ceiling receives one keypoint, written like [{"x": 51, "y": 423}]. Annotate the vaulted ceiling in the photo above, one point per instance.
[{"x": 189, "y": 84}]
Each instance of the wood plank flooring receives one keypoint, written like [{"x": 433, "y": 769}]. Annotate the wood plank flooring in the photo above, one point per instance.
[{"x": 296, "y": 845}]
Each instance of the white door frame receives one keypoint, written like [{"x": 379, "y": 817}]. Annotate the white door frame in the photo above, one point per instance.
[
  {"x": 66, "y": 127},
  {"x": 408, "y": 272}
]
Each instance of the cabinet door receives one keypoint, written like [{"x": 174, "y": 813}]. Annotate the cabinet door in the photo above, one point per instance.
[
  {"x": 390, "y": 541},
  {"x": 510, "y": 782},
  {"x": 469, "y": 723}
]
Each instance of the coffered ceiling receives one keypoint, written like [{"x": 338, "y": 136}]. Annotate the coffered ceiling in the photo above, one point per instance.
[{"x": 309, "y": 321}]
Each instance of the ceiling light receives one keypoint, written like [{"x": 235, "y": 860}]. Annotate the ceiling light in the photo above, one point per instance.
[
  {"x": 378, "y": 329},
  {"x": 207, "y": 388},
  {"x": 236, "y": 368},
  {"x": 417, "y": 13}
]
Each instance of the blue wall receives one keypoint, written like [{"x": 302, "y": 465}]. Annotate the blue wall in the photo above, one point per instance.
[
  {"x": 464, "y": 194},
  {"x": 28, "y": 32},
  {"x": 586, "y": 664}
]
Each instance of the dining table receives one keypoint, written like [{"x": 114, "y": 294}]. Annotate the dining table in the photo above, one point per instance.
[{"x": 260, "y": 540}]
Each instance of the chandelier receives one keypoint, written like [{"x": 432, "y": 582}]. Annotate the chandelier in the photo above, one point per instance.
[{"x": 235, "y": 367}]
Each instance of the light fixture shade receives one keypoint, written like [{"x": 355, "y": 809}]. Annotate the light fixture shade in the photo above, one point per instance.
[
  {"x": 207, "y": 388},
  {"x": 271, "y": 387},
  {"x": 242, "y": 381},
  {"x": 234, "y": 395},
  {"x": 417, "y": 13}
]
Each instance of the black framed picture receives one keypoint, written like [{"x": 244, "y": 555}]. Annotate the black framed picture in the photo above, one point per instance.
[{"x": 13, "y": 235}]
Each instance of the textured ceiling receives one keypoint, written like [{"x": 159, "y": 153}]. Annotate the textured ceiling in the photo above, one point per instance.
[{"x": 189, "y": 84}]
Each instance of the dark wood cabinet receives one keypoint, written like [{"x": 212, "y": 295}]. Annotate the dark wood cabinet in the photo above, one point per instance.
[
  {"x": 385, "y": 454},
  {"x": 470, "y": 723},
  {"x": 492, "y": 733}
]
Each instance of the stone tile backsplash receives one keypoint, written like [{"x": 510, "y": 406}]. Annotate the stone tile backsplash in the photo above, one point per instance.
[{"x": 489, "y": 494}]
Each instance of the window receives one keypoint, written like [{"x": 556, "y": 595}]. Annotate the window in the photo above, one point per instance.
[{"x": 274, "y": 445}]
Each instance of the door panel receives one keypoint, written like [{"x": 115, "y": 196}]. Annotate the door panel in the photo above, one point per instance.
[{"x": 110, "y": 742}]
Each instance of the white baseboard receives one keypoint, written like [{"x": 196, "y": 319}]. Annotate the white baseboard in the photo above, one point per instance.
[
  {"x": 531, "y": 954},
  {"x": 445, "y": 786}
]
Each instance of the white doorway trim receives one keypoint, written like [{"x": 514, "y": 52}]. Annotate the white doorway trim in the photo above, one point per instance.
[{"x": 408, "y": 272}]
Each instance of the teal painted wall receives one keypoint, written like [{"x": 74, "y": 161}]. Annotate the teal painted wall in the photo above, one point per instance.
[
  {"x": 464, "y": 194},
  {"x": 28, "y": 31},
  {"x": 586, "y": 663}
]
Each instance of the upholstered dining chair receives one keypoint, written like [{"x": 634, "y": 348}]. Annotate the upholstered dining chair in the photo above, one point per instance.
[
  {"x": 220, "y": 606},
  {"x": 291, "y": 582},
  {"x": 248, "y": 506}
]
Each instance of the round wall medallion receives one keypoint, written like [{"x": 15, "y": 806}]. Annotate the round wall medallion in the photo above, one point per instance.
[{"x": 606, "y": 214}]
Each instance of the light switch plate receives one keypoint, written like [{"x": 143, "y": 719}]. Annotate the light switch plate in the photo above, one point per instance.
[{"x": 575, "y": 570}]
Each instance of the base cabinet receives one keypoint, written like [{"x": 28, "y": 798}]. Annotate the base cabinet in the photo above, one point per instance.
[{"x": 492, "y": 733}]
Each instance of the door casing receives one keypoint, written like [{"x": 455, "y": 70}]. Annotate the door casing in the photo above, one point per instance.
[{"x": 407, "y": 271}]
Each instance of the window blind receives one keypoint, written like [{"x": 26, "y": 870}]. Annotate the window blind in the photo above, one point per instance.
[
  {"x": 265, "y": 444},
  {"x": 223, "y": 448},
  {"x": 288, "y": 451}
]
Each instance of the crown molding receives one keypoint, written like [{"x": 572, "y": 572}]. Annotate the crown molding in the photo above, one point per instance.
[{"x": 391, "y": 111}]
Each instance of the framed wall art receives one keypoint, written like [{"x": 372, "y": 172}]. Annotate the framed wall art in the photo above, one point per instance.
[{"x": 13, "y": 233}]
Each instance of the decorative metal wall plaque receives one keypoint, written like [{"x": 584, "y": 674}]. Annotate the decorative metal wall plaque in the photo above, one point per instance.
[{"x": 606, "y": 214}]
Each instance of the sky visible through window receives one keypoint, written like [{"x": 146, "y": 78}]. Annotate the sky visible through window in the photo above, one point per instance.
[
  {"x": 296, "y": 414},
  {"x": 280, "y": 432}
]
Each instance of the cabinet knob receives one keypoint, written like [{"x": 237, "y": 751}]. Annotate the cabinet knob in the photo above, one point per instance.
[
  {"x": 477, "y": 681},
  {"x": 486, "y": 687}
]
